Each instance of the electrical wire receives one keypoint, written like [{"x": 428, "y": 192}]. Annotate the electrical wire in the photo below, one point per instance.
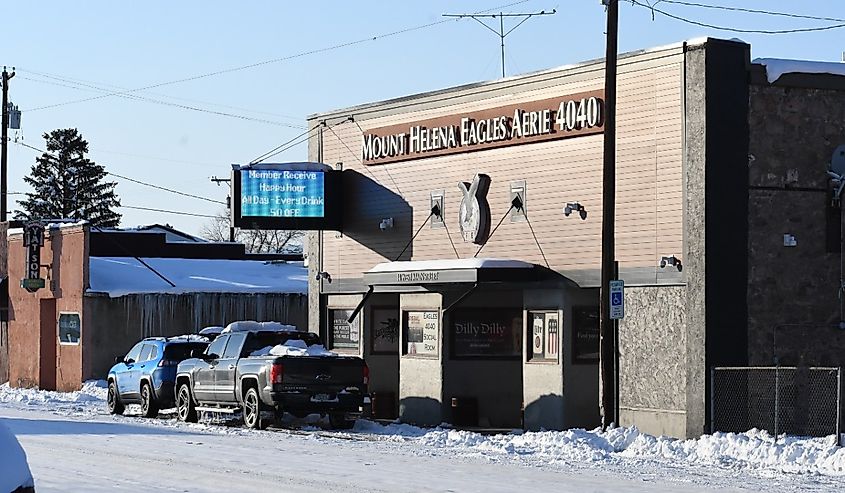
[
  {"x": 136, "y": 97},
  {"x": 139, "y": 182},
  {"x": 751, "y": 11},
  {"x": 284, "y": 146},
  {"x": 111, "y": 87},
  {"x": 271, "y": 61},
  {"x": 733, "y": 29},
  {"x": 158, "y": 187},
  {"x": 164, "y": 211}
]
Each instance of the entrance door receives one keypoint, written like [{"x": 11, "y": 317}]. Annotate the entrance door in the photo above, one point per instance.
[
  {"x": 382, "y": 356},
  {"x": 49, "y": 342}
]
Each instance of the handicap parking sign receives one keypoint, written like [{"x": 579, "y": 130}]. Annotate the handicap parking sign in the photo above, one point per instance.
[{"x": 617, "y": 299}]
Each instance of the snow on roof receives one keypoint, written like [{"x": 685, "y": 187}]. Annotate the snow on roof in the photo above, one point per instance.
[
  {"x": 253, "y": 326},
  {"x": 775, "y": 67},
  {"x": 213, "y": 330},
  {"x": 119, "y": 276},
  {"x": 464, "y": 263}
]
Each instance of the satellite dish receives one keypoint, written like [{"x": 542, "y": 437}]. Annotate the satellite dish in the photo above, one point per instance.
[{"x": 837, "y": 161}]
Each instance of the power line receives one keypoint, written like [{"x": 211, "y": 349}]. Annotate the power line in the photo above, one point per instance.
[
  {"x": 733, "y": 29},
  {"x": 267, "y": 62},
  {"x": 105, "y": 87},
  {"x": 167, "y": 103},
  {"x": 282, "y": 147},
  {"x": 752, "y": 11},
  {"x": 139, "y": 182},
  {"x": 164, "y": 211},
  {"x": 158, "y": 187}
]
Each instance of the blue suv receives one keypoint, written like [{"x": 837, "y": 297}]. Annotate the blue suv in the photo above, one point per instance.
[{"x": 147, "y": 373}]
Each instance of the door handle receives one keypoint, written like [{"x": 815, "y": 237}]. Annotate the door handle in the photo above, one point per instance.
[{"x": 231, "y": 367}]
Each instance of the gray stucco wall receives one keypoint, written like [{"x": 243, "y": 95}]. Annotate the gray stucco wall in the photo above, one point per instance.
[
  {"x": 421, "y": 378},
  {"x": 793, "y": 297},
  {"x": 116, "y": 324},
  {"x": 653, "y": 360}
]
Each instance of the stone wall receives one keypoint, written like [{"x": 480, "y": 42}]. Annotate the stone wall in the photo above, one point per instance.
[{"x": 793, "y": 291}]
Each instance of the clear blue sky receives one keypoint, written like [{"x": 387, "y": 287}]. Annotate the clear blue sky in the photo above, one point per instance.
[{"x": 132, "y": 45}]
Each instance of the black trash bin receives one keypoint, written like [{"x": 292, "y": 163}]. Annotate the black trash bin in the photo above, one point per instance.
[
  {"x": 465, "y": 411},
  {"x": 384, "y": 405}
]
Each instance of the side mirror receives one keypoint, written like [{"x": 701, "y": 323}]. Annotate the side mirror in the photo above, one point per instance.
[
  {"x": 118, "y": 359},
  {"x": 210, "y": 356},
  {"x": 129, "y": 361}
]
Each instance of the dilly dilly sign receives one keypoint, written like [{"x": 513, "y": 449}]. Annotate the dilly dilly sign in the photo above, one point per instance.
[
  {"x": 533, "y": 121},
  {"x": 33, "y": 240}
]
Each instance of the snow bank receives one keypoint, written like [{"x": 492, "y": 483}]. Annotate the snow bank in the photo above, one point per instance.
[
  {"x": 91, "y": 399},
  {"x": 253, "y": 326},
  {"x": 754, "y": 449},
  {"x": 14, "y": 470},
  {"x": 775, "y": 67},
  {"x": 119, "y": 276}
]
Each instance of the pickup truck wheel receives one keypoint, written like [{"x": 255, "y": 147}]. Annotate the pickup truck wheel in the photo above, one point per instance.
[
  {"x": 252, "y": 410},
  {"x": 149, "y": 407},
  {"x": 113, "y": 400},
  {"x": 338, "y": 421},
  {"x": 185, "y": 409}
]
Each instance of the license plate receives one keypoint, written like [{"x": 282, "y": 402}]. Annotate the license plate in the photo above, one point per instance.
[{"x": 321, "y": 398}]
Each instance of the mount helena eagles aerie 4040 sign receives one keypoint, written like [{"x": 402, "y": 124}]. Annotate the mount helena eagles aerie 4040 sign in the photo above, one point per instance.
[{"x": 523, "y": 123}]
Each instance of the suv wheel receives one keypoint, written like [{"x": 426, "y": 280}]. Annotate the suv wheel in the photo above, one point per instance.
[
  {"x": 185, "y": 409},
  {"x": 252, "y": 410},
  {"x": 113, "y": 399},
  {"x": 149, "y": 407}
]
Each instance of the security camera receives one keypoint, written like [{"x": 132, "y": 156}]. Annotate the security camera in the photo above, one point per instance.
[
  {"x": 575, "y": 207},
  {"x": 671, "y": 260},
  {"x": 386, "y": 224}
]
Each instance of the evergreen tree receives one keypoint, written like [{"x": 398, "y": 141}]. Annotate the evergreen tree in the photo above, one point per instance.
[{"x": 66, "y": 184}]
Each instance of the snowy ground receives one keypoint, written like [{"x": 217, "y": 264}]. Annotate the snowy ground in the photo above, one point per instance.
[{"x": 73, "y": 445}]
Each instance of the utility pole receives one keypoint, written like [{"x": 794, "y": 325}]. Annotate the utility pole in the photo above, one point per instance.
[
  {"x": 607, "y": 326},
  {"x": 501, "y": 32},
  {"x": 3, "y": 157},
  {"x": 227, "y": 181}
]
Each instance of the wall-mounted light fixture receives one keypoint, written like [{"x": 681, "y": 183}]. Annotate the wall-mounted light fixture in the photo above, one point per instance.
[
  {"x": 575, "y": 207},
  {"x": 324, "y": 275},
  {"x": 671, "y": 260},
  {"x": 385, "y": 224}
]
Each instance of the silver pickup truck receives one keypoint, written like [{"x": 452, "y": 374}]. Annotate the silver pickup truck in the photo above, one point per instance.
[{"x": 239, "y": 372}]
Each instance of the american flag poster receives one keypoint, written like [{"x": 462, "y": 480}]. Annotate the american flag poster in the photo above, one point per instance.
[{"x": 552, "y": 335}]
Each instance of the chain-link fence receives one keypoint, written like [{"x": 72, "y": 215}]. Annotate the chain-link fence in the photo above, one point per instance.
[{"x": 804, "y": 401}]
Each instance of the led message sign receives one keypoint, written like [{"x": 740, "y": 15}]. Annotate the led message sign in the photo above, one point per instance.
[{"x": 304, "y": 196}]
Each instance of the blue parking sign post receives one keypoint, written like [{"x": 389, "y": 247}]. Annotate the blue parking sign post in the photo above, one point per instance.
[{"x": 617, "y": 299}]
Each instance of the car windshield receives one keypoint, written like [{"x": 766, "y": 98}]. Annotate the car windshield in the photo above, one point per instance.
[
  {"x": 263, "y": 339},
  {"x": 181, "y": 351}
]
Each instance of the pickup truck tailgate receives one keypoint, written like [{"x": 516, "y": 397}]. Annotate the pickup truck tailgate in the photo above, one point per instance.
[{"x": 323, "y": 374}]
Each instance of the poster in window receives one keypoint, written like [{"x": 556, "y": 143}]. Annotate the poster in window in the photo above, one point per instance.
[
  {"x": 344, "y": 335},
  {"x": 487, "y": 333},
  {"x": 585, "y": 334},
  {"x": 384, "y": 329},
  {"x": 69, "y": 328},
  {"x": 538, "y": 321},
  {"x": 423, "y": 328},
  {"x": 552, "y": 335}
]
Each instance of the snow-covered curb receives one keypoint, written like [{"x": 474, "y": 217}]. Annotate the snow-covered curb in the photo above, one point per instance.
[{"x": 755, "y": 449}]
